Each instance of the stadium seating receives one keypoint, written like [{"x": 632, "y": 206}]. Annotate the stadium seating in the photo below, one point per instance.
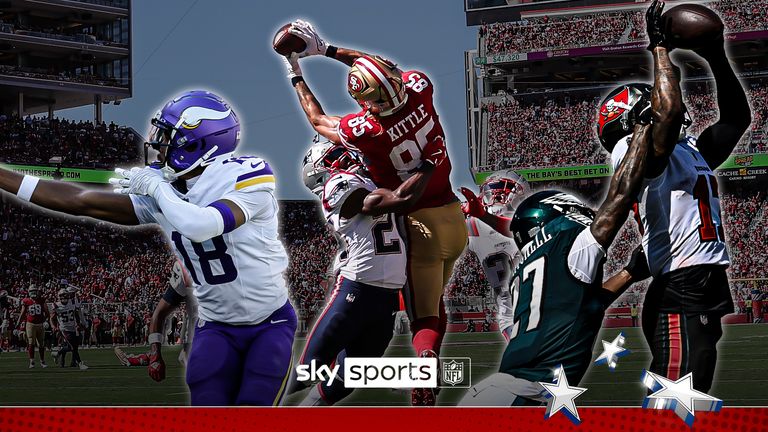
[
  {"x": 603, "y": 28},
  {"x": 34, "y": 141},
  {"x": 557, "y": 129}
]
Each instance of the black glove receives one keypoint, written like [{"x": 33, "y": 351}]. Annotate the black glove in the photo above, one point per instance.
[
  {"x": 638, "y": 265},
  {"x": 655, "y": 25}
]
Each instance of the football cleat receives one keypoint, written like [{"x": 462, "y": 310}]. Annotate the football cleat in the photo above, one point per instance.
[
  {"x": 191, "y": 131},
  {"x": 377, "y": 85},
  {"x": 31, "y": 364},
  {"x": 82, "y": 366},
  {"x": 424, "y": 396},
  {"x": 121, "y": 357},
  {"x": 43, "y": 365}
]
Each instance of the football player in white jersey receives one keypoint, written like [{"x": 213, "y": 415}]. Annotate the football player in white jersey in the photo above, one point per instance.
[
  {"x": 679, "y": 208},
  {"x": 220, "y": 213},
  {"x": 488, "y": 218},
  {"x": 65, "y": 319},
  {"x": 359, "y": 317}
]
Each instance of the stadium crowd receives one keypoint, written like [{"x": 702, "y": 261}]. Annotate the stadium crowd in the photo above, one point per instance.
[
  {"x": 82, "y": 144},
  {"x": 558, "y": 129},
  {"x": 603, "y": 28}
]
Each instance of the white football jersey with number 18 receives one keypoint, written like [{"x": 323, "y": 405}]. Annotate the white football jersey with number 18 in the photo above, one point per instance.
[
  {"x": 680, "y": 211},
  {"x": 238, "y": 276}
]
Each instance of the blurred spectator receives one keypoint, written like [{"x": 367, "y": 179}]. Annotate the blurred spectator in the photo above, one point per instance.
[
  {"x": 80, "y": 144},
  {"x": 604, "y": 28}
]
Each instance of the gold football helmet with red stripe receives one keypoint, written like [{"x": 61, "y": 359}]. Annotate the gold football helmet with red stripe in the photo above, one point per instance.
[{"x": 377, "y": 85}]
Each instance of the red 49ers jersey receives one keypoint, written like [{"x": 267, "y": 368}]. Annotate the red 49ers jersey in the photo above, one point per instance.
[
  {"x": 392, "y": 144},
  {"x": 35, "y": 310}
]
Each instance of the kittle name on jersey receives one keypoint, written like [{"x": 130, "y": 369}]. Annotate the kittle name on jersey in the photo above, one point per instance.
[{"x": 409, "y": 122}]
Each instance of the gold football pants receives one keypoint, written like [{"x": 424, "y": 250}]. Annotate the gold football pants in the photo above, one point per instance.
[{"x": 436, "y": 237}]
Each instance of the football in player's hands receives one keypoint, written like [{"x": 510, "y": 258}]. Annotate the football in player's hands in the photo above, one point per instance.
[
  {"x": 313, "y": 43},
  {"x": 473, "y": 207},
  {"x": 287, "y": 42}
]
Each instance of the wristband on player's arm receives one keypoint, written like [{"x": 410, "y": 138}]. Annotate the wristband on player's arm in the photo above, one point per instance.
[
  {"x": 297, "y": 79},
  {"x": 155, "y": 338},
  {"x": 331, "y": 51},
  {"x": 27, "y": 187}
]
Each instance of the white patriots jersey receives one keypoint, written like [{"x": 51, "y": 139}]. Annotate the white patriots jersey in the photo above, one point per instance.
[
  {"x": 680, "y": 211},
  {"x": 237, "y": 277},
  {"x": 65, "y": 315},
  {"x": 373, "y": 250},
  {"x": 495, "y": 253}
]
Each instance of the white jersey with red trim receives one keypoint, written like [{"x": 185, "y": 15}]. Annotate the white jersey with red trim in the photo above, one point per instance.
[
  {"x": 680, "y": 211},
  {"x": 373, "y": 251},
  {"x": 237, "y": 277},
  {"x": 496, "y": 253}
]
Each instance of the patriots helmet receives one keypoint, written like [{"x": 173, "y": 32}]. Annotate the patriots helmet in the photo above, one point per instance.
[
  {"x": 501, "y": 189},
  {"x": 195, "y": 127},
  {"x": 541, "y": 208},
  {"x": 323, "y": 159}
]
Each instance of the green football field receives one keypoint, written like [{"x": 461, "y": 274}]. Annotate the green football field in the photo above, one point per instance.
[{"x": 741, "y": 379}]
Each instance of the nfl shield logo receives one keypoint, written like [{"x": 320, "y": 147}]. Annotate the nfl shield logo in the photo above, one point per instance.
[{"x": 453, "y": 372}]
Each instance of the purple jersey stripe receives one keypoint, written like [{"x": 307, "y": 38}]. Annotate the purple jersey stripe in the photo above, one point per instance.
[
  {"x": 264, "y": 171},
  {"x": 226, "y": 213}
]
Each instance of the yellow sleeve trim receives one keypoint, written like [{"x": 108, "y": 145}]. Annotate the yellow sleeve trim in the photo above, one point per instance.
[{"x": 254, "y": 181}]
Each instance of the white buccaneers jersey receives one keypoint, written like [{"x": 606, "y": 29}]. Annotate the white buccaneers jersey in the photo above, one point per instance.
[
  {"x": 65, "y": 315},
  {"x": 495, "y": 253},
  {"x": 373, "y": 250},
  {"x": 680, "y": 211},
  {"x": 237, "y": 277}
]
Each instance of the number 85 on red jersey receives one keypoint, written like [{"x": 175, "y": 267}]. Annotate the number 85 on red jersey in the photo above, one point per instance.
[{"x": 392, "y": 144}]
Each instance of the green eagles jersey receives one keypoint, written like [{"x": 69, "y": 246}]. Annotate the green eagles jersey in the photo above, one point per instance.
[{"x": 556, "y": 316}]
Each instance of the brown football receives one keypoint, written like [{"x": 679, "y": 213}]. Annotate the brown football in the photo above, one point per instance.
[
  {"x": 286, "y": 43},
  {"x": 692, "y": 26}
]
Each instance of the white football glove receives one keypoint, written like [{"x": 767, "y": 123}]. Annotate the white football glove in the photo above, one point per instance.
[
  {"x": 315, "y": 44},
  {"x": 292, "y": 65},
  {"x": 137, "y": 181}
]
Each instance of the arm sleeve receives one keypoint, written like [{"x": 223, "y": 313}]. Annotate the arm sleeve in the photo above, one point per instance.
[
  {"x": 145, "y": 208},
  {"x": 195, "y": 223},
  {"x": 258, "y": 204},
  {"x": 585, "y": 257}
]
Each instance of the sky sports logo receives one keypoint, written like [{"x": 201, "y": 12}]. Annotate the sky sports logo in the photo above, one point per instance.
[{"x": 392, "y": 372}]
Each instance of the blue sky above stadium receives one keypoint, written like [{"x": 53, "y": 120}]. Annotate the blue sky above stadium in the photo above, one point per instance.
[{"x": 225, "y": 46}]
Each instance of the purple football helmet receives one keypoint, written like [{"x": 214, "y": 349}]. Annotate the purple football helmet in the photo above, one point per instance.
[{"x": 196, "y": 127}]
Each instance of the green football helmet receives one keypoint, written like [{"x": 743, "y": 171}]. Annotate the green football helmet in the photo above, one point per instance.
[{"x": 541, "y": 208}]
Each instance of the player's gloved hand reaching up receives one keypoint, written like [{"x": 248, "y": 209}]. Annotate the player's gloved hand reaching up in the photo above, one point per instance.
[
  {"x": 474, "y": 206},
  {"x": 655, "y": 25},
  {"x": 306, "y": 31},
  {"x": 292, "y": 65},
  {"x": 137, "y": 181}
]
